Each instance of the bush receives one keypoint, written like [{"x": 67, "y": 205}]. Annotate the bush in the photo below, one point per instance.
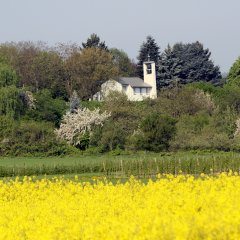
[
  {"x": 6, "y": 125},
  {"x": 182, "y": 101},
  {"x": 111, "y": 136},
  {"x": 47, "y": 108},
  {"x": 33, "y": 138},
  {"x": 11, "y": 103},
  {"x": 200, "y": 132},
  {"x": 155, "y": 132}
]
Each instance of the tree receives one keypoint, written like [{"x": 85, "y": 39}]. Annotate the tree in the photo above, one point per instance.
[
  {"x": 185, "y": 100},
  {"x": 234, "y": 73},
  {"x": 87, "y": 70},
  {"x": 8, "y": 76},
  {"x": 8, "y": 54},
  {"x": 169, "y": 68},
  {"x": 24, "y": 63},
  {"x": 47, "y": 108},
  {"x": 48, "y": 72},
  {"x": 185, "y": 63},
  {"x": 11, "y": 104},
  {"x": 149, "y": 50},
  {"x": 156, "y": 131},
  {"x": 94, "y": 42},
  {"x": 76, "y": 127},
  {"x": 126, "y": 67}
]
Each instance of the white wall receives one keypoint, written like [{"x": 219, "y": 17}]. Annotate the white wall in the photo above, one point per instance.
[
  {"x": 109, "y": 86},
  {"x": 112, "y": 85},
  {"x": 136, "y": 96},
  {"x": 150, "y": 78}
]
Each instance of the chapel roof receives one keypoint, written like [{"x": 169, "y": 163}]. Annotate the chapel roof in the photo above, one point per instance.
[{"x": 133, "y": 82}]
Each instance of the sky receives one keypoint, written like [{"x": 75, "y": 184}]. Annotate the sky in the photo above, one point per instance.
[{"x": 124, "y": 24}]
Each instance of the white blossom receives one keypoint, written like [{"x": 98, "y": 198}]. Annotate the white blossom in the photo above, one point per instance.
[{"x": 75, "y": 125}]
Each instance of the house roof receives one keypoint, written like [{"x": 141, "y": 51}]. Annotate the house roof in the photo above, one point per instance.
[{"x": 133, "y": 82}]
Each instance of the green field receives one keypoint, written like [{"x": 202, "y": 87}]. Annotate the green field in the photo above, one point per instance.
[{"x": 142, "y": 164}]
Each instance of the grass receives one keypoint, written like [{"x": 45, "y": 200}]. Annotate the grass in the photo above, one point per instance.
[{"x": 140, "y": 164}]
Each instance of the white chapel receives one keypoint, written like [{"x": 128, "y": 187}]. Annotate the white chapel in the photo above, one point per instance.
[{"x": 135, "y": 88}]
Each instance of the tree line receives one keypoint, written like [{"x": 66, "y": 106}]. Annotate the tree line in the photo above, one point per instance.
[{"x": 42, "y": 88}]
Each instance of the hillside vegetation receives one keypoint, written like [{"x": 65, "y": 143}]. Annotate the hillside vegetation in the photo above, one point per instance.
[{"x": 44, "y": 107}]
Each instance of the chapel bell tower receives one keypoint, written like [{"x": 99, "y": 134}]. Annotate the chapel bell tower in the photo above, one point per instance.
[{"x": 149, "y": 77}]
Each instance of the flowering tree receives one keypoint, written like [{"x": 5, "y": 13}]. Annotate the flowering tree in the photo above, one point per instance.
[{"x": 79, "y": 124}]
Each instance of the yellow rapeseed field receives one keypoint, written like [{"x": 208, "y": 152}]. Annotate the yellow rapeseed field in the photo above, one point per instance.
[{"x": 181, "y": 207}]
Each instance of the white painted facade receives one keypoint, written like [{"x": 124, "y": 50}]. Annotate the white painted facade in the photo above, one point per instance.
[
  {"x": 135, "y": 88},
  {"x": 149, "y": 73}
]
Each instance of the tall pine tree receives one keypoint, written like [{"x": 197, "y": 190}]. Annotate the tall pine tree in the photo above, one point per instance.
[
  {"x": 169, "y": 68},
  {"x": 149, "y": 50},
  {"x": 94, "y": 42}
]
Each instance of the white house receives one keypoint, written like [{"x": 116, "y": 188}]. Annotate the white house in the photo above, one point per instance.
[{"x": 135, "y": 88}]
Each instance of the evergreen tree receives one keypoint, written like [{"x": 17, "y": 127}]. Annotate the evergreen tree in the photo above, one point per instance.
[
  {"x": 94, "y": 42},
  {"x": 149, "y": 50},
  {"x": 169, "y": 69},
  {"x": 185, "y": 63}
]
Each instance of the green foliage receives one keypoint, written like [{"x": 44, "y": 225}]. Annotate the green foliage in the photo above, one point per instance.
[
  {"x": 49, "y": 73},
  {"x": 7, "y": 124},
  {"x": 87, "y": 70},
  {"x": 156, "y": 131},
  {"x": 207, "y": 87},
  {"x": 91, "y": 105},
  {"x": 233, "y": 78},
  {"x": 185, "y": 63},
  {"x": 229, "y": 96},
  {"x": 11, "y": 103},
  {"x": 94, "y": 42},
  {"x": 206, "y": 115},
  {"x": 8, "y": 76},
  {"x": 47, "y": 108},
  {"x": 201, "y": 131},
  {"x": 111, "y": 136},
  {"x": 121, "y": 60},
  {"x": 32, "y": 138},
  {"x": 234, "y": 73},
  {"x": 225, "y": 121},
  {"x": 180, "y": 101},
  {"x": 8, "y": 54},
  {"x": 149, "y": 50},
  {"x": 83, "y": 141}
]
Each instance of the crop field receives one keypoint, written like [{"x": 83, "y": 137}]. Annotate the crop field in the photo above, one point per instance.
[
  {"x": 142, "y": 164},
  {"x": 172, "y": 207}
]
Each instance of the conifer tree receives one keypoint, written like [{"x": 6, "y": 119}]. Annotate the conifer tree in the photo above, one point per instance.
[
  {"x": 186, "y": 63},
  {"x": 94, "y": 42},
  {"x": 149, "y": 50}
]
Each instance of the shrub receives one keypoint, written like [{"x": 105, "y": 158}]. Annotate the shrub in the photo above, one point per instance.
[
  {"x": 113, "y": 135},
  {"x": 47, "y": 108},
  {"x": 155, "y": 132},
  {"x": 200, "y": 132},
  {"x": 33, "y": 138},
  {"x": 180, "y": 101}
]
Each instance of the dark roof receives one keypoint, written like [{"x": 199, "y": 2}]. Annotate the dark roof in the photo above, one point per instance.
[{"x": 133, "y": 82}]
